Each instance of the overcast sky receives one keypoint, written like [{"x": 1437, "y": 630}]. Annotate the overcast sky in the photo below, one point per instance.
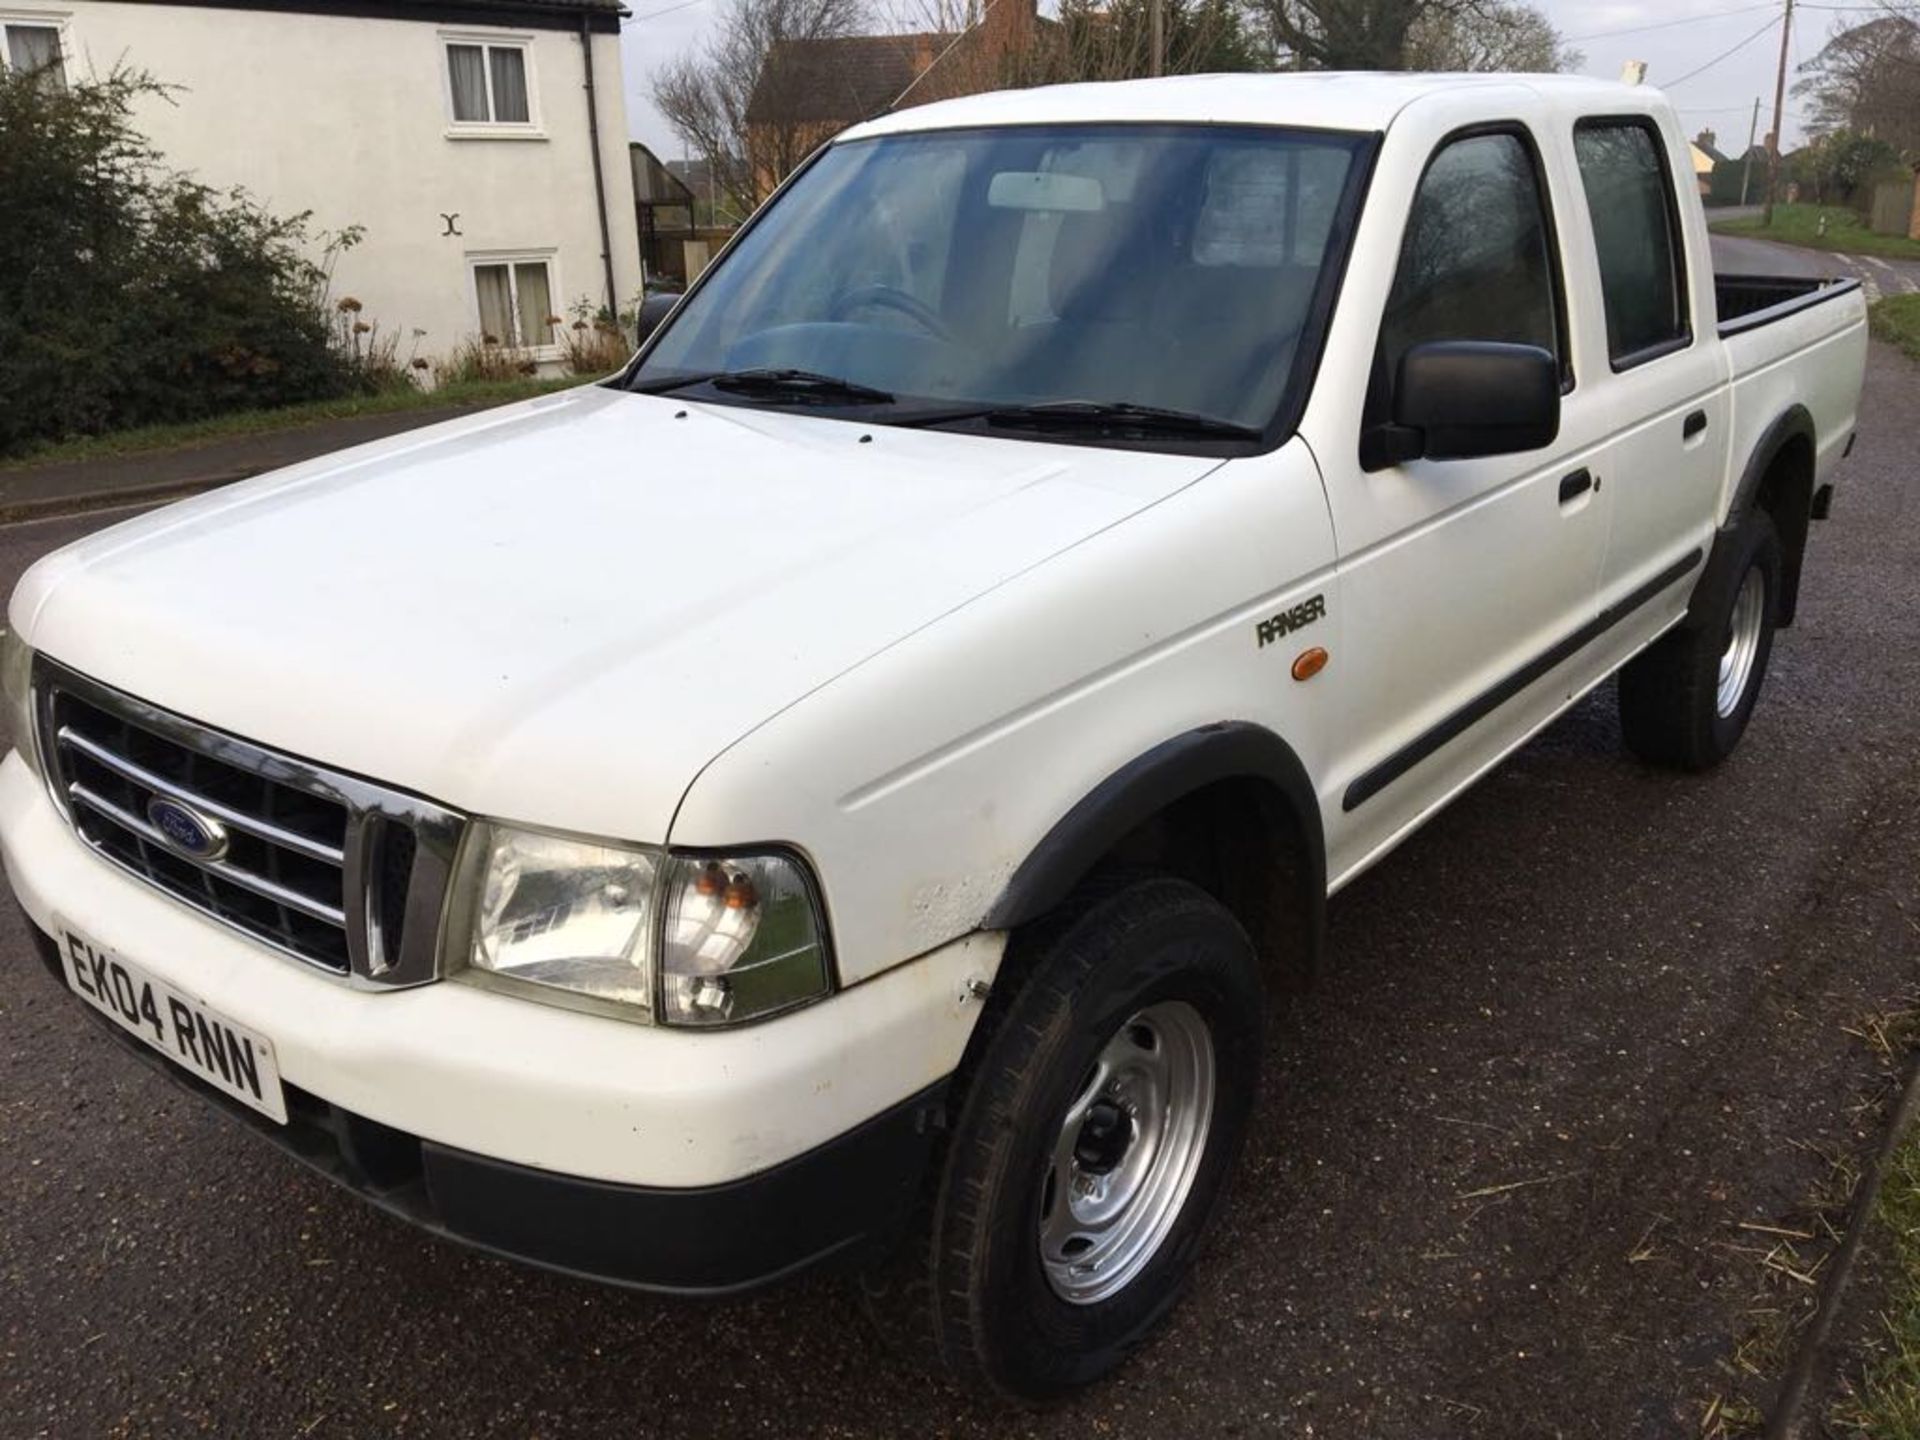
[{"x": 1610, "y": 33}]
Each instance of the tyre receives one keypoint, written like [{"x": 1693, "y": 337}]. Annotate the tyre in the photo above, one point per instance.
[
  {"x": 1100, "y": 1124},
  {"x": 1686, "y": 699}
]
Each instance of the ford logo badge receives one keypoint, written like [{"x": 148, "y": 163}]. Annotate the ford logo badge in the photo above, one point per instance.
[{"x": 186, "y": 830}]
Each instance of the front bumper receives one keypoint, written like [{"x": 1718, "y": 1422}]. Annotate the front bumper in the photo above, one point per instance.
[
  {"x": 845, "y": 1200},
  {"x": 514, "y": 1121}
]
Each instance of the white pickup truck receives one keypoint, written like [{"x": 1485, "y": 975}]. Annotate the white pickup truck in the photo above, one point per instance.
[{"x": 840, "y": 789}]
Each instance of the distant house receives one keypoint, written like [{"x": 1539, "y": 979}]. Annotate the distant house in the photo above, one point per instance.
[
  {"x": 1729, "y": 179},
  {"x": 1704, "y": 156},
  {"x": 810, "y": 90},
  {"x": 482, "y": 144}
]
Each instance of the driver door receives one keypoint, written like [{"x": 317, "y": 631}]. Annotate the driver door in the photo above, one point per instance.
[{"x": 1459, "y": 579}]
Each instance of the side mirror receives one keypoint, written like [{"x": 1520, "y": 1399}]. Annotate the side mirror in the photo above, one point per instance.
[
  {"x": 1456, "y": 399},
  {"x": 653, "y": 310}
]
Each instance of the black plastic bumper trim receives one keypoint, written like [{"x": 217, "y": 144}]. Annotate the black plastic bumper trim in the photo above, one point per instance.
[{"x": 847, "y": 1199}]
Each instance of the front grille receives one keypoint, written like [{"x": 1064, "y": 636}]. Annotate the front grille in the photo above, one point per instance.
[{"x": 325, "y": 867}]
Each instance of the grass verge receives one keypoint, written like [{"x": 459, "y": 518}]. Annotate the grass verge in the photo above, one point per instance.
[
  {"x": 1791, "y": 1251},
  {"x": 1800, "y": 225},
  {"x": 1885, "y": 1402},
  {"x": 1897, "y": 319},
  {"x": 154, "y": 439}
]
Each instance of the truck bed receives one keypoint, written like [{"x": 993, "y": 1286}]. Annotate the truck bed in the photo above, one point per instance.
[{"x": 1746, "y": 302}]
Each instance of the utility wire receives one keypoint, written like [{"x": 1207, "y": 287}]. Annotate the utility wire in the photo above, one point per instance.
[
  {"x": 1669, "y": 24},
  {"x": 656, "y": 14},
  {"x": 1723, "y": 55},
  {"x": 933, "y": 64}
]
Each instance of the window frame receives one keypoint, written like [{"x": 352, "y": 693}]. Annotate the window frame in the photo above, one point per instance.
[
  {"x": 54, "y": 20},
  {"x": 1676, "y": 236},
  {"x": 1556, "y": 257},
  {"x": 553, "y": 348},
  {"x": 532, "y": 128}
]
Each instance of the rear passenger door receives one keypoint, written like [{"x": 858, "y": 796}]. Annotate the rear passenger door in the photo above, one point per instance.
[{"x": 1662, "y": 388}]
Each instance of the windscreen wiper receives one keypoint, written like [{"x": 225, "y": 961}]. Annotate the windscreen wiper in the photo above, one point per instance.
[
  {"x": 1108, "y": 417},
  {"x": 776, "y": 384}
]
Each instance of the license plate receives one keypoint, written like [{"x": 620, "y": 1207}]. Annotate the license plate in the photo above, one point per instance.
[{"x": 234, "y": 1060}]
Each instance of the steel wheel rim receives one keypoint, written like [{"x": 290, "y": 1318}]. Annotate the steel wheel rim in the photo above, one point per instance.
[
  {"x": 1743, "y": 642},
  {"x": 1127, "y": 1153}
]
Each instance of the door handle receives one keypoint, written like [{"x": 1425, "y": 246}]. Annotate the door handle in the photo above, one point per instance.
[
  {"x": 1693, "y": 424},
  {"x": 1573, "y": 486}
]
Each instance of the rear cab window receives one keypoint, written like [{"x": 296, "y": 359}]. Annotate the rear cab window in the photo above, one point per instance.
[{"x": 1636, "y": 236}]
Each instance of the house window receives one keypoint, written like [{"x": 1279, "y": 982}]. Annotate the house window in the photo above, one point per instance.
[
  {"x": 515, "y": 297},
  {"x": 487, "y": 82},
  {"x": 35, "y": 50}
]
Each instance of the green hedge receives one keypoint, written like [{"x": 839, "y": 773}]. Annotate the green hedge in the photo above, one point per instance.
[{"x": 131, "y": 295}]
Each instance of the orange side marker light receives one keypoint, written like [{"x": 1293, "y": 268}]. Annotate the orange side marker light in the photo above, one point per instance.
[{"x": 1309, "y": 663}]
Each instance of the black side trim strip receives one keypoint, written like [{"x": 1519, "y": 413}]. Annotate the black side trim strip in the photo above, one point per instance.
[{"x": 1404, "y": 759}]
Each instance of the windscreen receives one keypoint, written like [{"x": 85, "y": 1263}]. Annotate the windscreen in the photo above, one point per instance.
[{"x": 1165, "y": 266}]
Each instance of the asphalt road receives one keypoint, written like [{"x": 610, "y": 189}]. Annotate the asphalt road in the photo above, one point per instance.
[
  {"x": 1878, "y": 277},
  {"x": 1576, "y": 1038}
]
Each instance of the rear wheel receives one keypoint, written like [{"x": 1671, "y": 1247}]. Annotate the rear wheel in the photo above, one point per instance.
[
  {"x": 1685, "y": 700},
  {"x": 1093, "y": 1148}
]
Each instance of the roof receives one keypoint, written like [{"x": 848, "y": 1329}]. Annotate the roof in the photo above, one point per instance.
[
  {"x": 653, "y": 182},
  {"x": 618, "y": 7},
  {"x": 1326, "y": 100},
  {"x": 603, "y": 15},
  {"x": 839, "y": 80}
]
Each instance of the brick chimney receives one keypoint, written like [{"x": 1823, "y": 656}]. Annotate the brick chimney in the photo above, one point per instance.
[
  {"x": 1704, "y": 139},
  {"x": 1008, "y": 27}
]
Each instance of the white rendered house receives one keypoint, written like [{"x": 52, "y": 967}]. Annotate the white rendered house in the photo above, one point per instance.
[{"x": 463, "y": 137}]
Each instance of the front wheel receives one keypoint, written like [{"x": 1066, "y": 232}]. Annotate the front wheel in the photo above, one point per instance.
[
  {"x": 1686, "y": 699},
  {"x": 1095, "y": 1143}
]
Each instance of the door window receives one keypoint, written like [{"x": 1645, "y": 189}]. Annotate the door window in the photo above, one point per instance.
[
  {"x": 1477, "y": 260},
  {"x": 1636, "y": 234}
]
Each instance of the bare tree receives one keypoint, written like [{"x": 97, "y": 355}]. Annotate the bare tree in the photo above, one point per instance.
[
  {"x": 1489, "y": 35},
  {"x": 1347, "y": 34},
  {"x": 707, "y": 96},
  {"x": 1112, "y": 40},
  {"x": 1866, "y": 81}
]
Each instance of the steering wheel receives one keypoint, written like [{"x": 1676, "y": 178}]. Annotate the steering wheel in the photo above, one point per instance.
[{"x": 886, "y": 297}]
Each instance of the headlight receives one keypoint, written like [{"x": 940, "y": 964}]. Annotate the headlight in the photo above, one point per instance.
[
  {"x": 16, "y": 676},
  {"x": 633, "y": 930},
  {"x": 566, "y": 913}
]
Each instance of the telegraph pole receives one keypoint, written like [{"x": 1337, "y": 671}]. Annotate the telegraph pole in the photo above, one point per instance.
[
  {"x": 1157, "y": 39},
  {"x": 1779, "y": 108},
  {"x": 1746, "y": 168}
]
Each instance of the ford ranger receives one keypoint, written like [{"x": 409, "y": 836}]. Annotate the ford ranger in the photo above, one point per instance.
[{"x": 840, "y": 789}]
